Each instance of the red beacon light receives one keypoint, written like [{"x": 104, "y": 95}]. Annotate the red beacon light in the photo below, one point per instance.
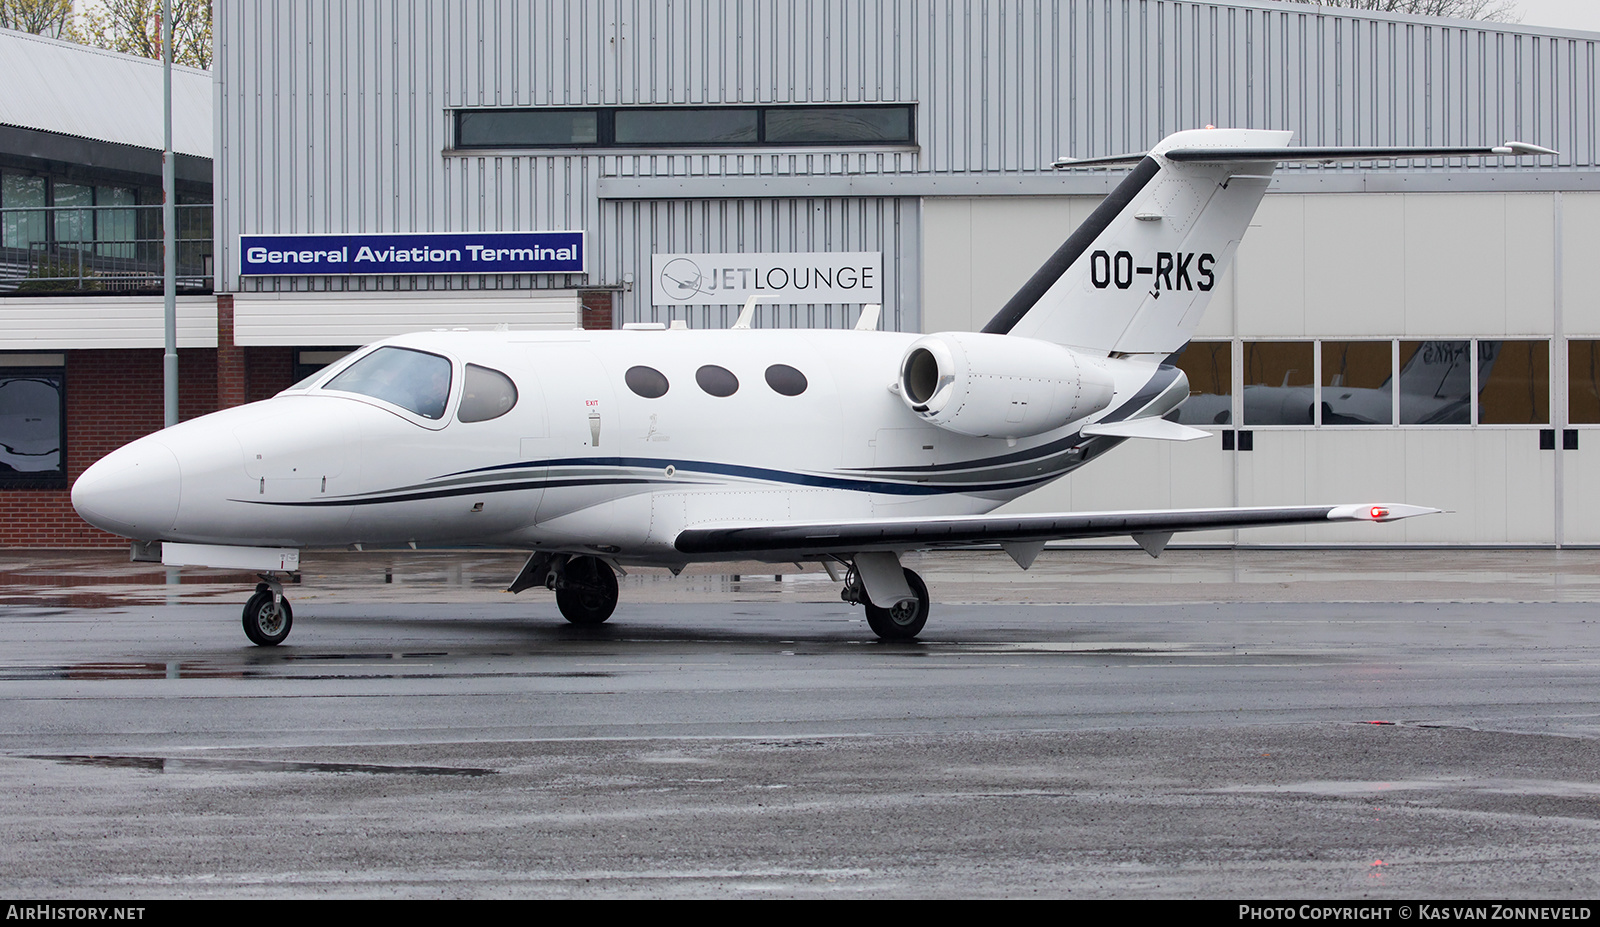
[{"x": 1379, "y": 511}]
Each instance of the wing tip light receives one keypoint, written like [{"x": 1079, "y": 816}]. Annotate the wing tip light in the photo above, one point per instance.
[
  {"x": 1523, "y": 148},
  {"x": 1379, "y": 512}
]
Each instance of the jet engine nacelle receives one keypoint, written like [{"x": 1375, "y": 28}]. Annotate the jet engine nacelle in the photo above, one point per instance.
[{"x": 1000, "y": 386}]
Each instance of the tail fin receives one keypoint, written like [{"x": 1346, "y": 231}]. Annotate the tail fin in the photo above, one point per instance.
[
  {"x": 1442, "y": 368},
  {"x": 1135, "y": 278}
]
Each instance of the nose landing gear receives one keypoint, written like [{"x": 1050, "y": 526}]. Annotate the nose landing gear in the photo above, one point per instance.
[{"x": 267, "y": 616}]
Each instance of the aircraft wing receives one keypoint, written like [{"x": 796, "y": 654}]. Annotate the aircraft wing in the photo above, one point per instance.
[{"x": 1151, "y": 529}]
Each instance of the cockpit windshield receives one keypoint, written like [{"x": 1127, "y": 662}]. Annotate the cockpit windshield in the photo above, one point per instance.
[{"x": 413, "y": 380}]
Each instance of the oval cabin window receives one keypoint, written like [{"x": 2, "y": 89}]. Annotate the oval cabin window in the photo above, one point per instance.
[
  {"x": 718, "y": 381},
  {"x": 786, "y": 380},
  {"x": 485, "y": 394},
  {"x": 646, "y": 381}
]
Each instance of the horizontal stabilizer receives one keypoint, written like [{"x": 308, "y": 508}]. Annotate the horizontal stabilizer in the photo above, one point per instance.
[
  {"x": 810, "y": 540},
  {"x": 1328, "y": 155},
  {"x": 1324, "y": 155},
  {"x": 1157, "y": 428},
  {"x": 1120, "y": 160}
]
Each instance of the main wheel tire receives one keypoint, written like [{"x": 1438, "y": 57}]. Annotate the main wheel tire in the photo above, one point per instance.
[
  {"x": 267, "y": 622},
  {"x": 590, "y": 594},
  {"x": 901, "y": 624}
]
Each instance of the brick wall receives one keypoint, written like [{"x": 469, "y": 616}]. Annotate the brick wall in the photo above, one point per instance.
[
  {"x": 268, "y": 372},
  {"x": 232, "y": 377},
  {"x": 596, "y": 312}
]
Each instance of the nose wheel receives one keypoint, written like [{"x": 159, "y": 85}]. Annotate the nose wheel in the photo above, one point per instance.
[{"x": 267, "y": 617}]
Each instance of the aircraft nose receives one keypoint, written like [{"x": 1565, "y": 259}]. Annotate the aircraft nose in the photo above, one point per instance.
[{"x": 132, "y": 491}]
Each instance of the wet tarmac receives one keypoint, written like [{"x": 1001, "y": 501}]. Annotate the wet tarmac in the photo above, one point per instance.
[{"x": 1348, "y": 723}]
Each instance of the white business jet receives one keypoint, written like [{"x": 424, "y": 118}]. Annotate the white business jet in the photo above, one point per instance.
[{"x": 600, "y": 450}]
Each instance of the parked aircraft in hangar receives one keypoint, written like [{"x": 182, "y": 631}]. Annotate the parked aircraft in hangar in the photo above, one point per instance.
[
  {"x": 1436, "y": 388},
  {"x": 600, "y": 450}
]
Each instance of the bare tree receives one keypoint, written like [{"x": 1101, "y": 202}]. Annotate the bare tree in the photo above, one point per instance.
[
  {"x": 134, "y": 27},
  {"x": 40, "y": 17},
  {"x": 1499, "y": 11}
]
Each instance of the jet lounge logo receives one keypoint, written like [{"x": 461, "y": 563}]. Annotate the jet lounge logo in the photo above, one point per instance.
[{"x": 728, "y": 279}]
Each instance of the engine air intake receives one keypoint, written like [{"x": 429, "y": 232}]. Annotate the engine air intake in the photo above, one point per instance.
[{"x": 1000, "y": 386}]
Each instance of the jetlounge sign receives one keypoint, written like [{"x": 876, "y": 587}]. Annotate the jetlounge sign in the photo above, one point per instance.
[
  {"x": 729, "y": 279},
  {"x": 426, "y": 253}
]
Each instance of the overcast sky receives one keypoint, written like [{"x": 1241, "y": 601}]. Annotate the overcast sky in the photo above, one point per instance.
[{"x": 1563, "y": 14}]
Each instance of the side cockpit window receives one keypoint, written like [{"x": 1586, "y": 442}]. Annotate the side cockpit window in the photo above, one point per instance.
[
  {"x": 414, "y": 380},
  {"x": 485, "y": 394}
]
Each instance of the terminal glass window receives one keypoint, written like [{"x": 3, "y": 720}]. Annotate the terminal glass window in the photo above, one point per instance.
[
  {"x": 821, "y": 125},
  {"x": 74, "y": 225},
  {"x": 670, "y": 126},
  {"x": 1435, "y": 382},
  {"x": 675, "y": 126},
  {"x": 22, "y": 198},
  {"x": 1513, "y": 382},
  {"x": 114, "y": 231},
  {"x": 1583, "y": 382},
  {"x": 1357, "y": 383},
  {"x": 1278, "y": 383},
  {"x": 538, "y": 128},
  {"x": 413, "y": 380},
  {"x": 32, "y": 425},
  {"x": 1209, "y": 367}
]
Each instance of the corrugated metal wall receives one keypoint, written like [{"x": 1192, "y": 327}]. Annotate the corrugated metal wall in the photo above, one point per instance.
[{"x": 335, "y": 116}]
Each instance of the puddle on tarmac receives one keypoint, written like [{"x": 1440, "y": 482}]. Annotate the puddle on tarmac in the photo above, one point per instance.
[
  {"x": 163, "y": 764},
  {"x": 1346, "y": 788},
  {"x": 278, "y": 666}
]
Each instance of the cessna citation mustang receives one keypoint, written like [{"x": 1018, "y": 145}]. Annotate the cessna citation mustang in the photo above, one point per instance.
[{"x": 597, "y": 450}]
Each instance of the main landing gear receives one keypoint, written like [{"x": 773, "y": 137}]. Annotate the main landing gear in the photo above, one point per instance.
[
  {"x": 267, "y": 616},
  {"x": 879, "y": 577},
  {"x": 585, "y": 587},
  {"x": 895, "y": 598}
]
